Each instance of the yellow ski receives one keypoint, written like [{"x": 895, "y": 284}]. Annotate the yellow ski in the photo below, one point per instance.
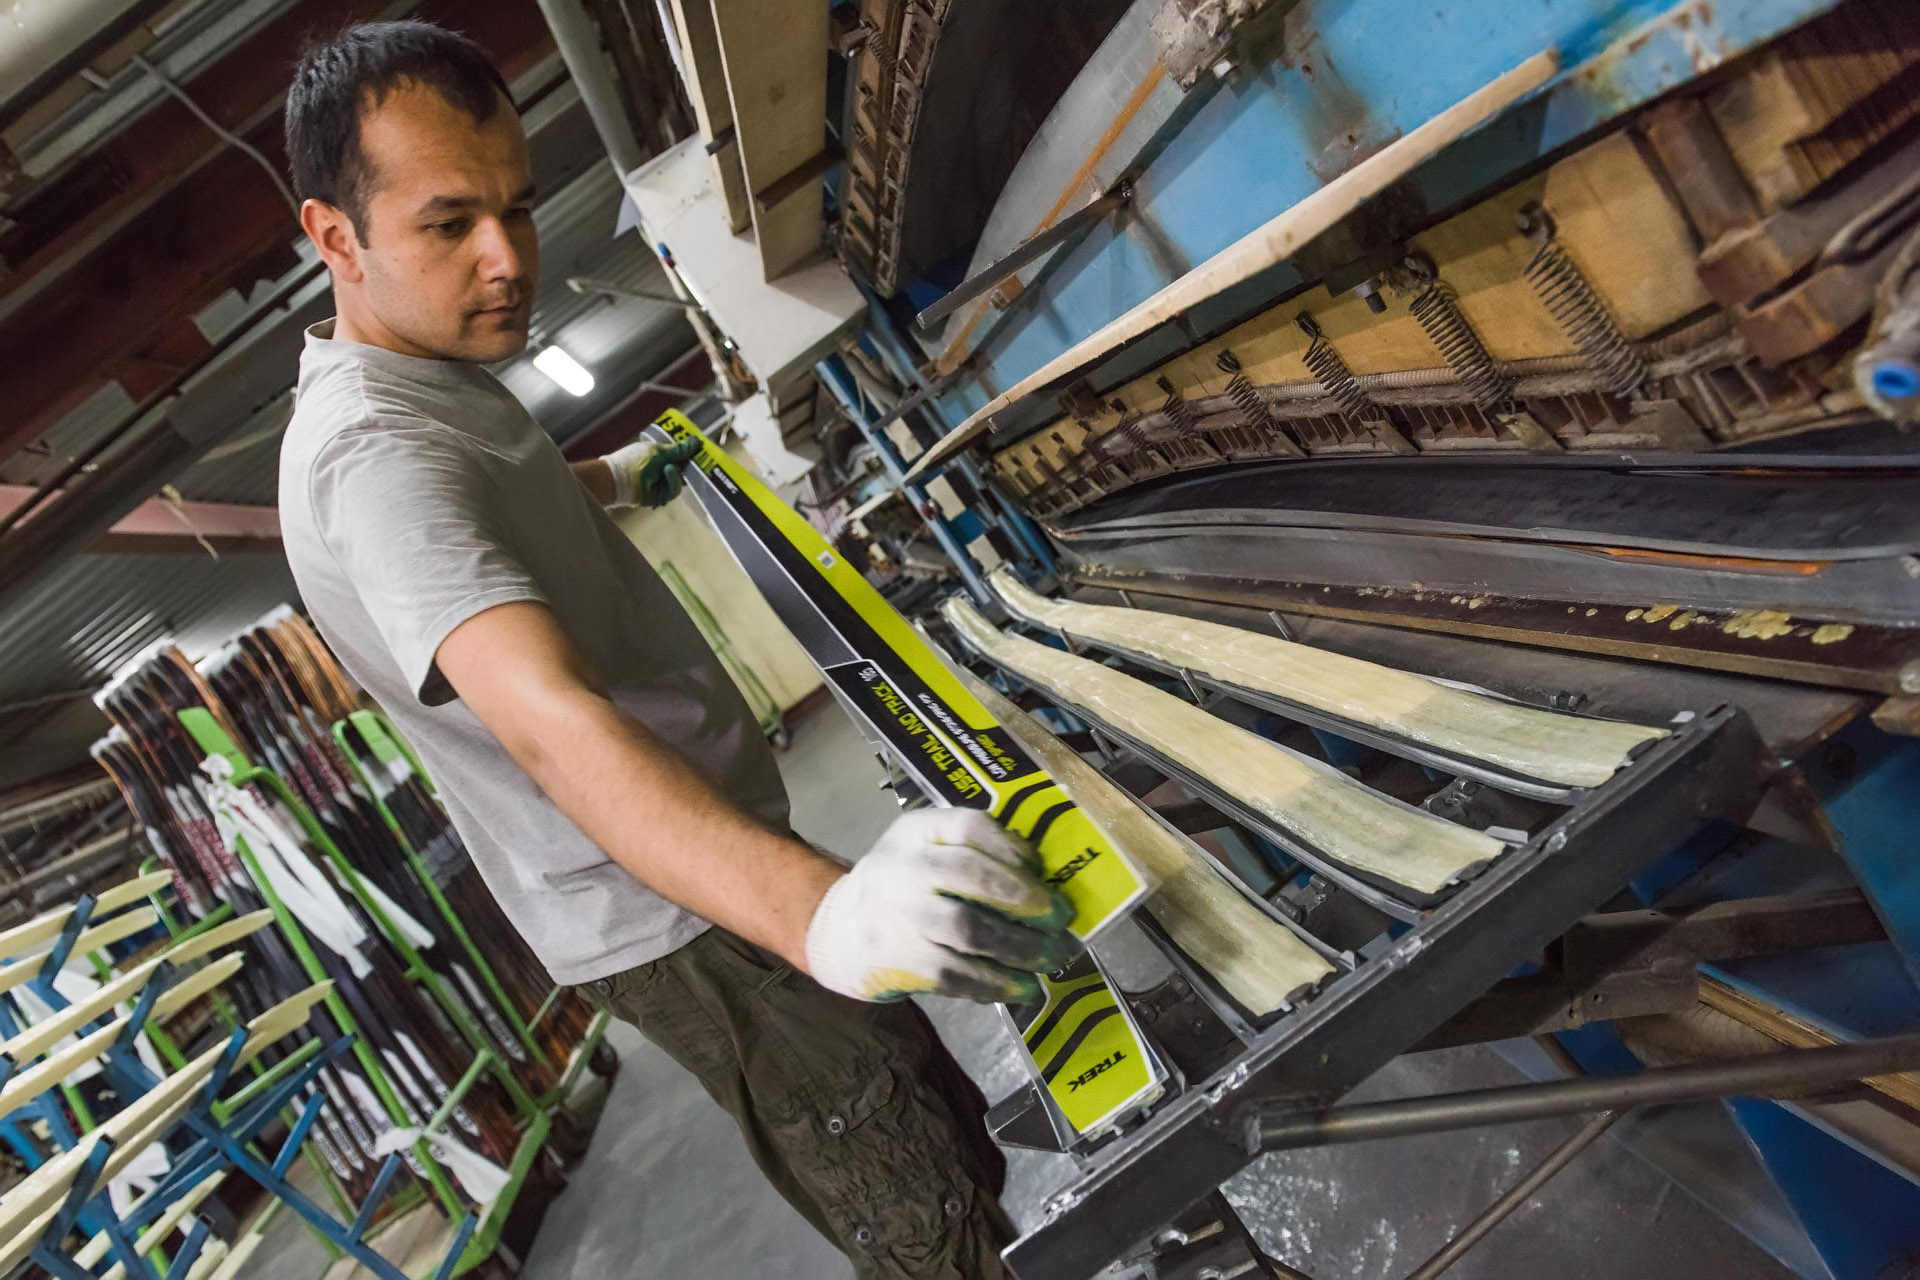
[{"x": 1080, "y": 1037}]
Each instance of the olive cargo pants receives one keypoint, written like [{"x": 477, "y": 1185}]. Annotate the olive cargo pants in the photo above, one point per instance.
[{"x": 856, "y": 1112}]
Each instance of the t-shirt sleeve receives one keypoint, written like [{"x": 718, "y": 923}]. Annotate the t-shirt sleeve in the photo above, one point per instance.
[{"x": 403, "y": 511}]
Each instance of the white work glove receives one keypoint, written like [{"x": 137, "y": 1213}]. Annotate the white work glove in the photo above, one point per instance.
[
  {"x": 946, "y": 902},
  {"x": 647, "y": 474}
]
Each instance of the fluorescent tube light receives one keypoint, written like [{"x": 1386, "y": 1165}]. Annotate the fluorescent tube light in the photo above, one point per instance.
[{"x": 569, "y": 373}]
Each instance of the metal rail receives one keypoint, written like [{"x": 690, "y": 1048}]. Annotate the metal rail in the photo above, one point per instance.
[
  {"x": 1708, "y": 771},
  {"x": 1515, "y": 1196},
  {"x": 1286, "y": 1127},
  {"x": 1059, "y": 233}
]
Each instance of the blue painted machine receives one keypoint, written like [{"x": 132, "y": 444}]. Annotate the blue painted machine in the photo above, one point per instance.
[
  {"x": 1598, "y": 400},
  {"x": 1567, "y": 349}
]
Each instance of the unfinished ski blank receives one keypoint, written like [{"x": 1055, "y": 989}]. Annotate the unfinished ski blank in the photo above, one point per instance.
[
  {"x": 1255, "y": 958},
  {"x": 1566, "y": 750},
  {"x": 1323, "y": 807}
]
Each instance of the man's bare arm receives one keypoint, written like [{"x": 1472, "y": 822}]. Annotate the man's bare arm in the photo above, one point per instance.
[
  {"x": 631, "y": 792},
  {"x": 598, "y": 479}
]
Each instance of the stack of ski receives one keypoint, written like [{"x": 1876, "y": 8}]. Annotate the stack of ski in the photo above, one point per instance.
[
  {"x": 286, "y": 690},
  {"x": 158, "y": 767},
  {"x": 152, "y": 765}
]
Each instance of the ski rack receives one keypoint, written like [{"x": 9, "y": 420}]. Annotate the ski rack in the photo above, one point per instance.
[
  {"x": 389, "y": 748},
  {"x": 537, "y": 1114},
  {"x": 63, "y": 1192},
  {"x": 1709, "y": 770},
  {"x": 36, "y": 973}
]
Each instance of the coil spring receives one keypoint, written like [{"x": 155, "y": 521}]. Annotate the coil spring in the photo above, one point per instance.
[
  {"x": 1253, "y": 410},
  {"x": 1333, "y": 374},
  {"x": 1176, "y": 409},
  {"x": 1570, "y": 299},
  {"x": 1436, "y": 309},
  {"x": 1125, "y": 438}
]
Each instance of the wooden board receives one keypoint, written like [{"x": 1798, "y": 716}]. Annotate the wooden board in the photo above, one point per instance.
[
  {"x": 43, "y": 1035},
  {"x": 90, "y": 939},
  {"x": 1318, "y": 804},
  {"x": 1275, "y": 242},
  {"x": 119, "y": 895},
  {"x": 712, "y": 108},
  {"x": 237, "y": 1259},
  {"x": 41, "y": 929},
  {"x": 40, "y": 1077},
  {"x": 46, "y": 1033},
  {"x": 219, "y": 936},
  {"x": 1563, "y": 749},
  {"x": 132, "y": 1130},
  {"x": 284, "y": 1018},
  {"x": 36, "y": 1079},
  {"x": 775, "y": 53}
]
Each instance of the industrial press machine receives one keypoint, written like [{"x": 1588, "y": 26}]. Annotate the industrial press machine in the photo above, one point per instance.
[
  {"x": 1563, "y": 352},
  {"x": 1601, "y": 405}
]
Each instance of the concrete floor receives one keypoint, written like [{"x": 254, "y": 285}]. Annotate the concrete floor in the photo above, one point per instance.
[{"x": 668, "y": 1191}]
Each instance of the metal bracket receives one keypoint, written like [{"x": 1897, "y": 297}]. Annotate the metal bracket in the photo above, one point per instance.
[{"x": 990, "y": 277}]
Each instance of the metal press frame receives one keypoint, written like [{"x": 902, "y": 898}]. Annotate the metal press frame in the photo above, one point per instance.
[{"x": 1710, "y": 770}]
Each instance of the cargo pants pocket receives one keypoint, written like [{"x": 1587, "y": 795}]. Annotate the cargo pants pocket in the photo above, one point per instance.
[{"x": 864, "y": 1130}]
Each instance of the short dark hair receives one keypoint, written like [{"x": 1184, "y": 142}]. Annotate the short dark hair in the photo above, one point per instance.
[{"x": 340, "y": 78}]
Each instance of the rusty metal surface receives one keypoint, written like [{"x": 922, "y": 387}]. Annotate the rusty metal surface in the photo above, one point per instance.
[
  {"x": 1703, "y": 173},
  {"x": 1627, "y": 964},
  {"x": 1815, "y": 312},
  {"x": 1200, "y": 37}
]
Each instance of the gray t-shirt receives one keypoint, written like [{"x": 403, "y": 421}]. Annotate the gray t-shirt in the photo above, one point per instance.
[{"x": 417, "y": 493}]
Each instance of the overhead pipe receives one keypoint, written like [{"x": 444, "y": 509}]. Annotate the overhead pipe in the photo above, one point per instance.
[
  {"x": 578, "y": 38},
  {"x": 91, "y": 506}
]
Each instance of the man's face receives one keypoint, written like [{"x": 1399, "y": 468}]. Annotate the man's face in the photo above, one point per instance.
[{"x": 450, "y": 258}]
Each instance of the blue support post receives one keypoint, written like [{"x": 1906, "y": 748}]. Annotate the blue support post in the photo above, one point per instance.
[
  {"x": 82, "y": 1188},
  {"x": 468, "y": 1225},
  {"x": 381, "y": 1182},
  {"x": 1863, "y": 1220},
  {"x": 189, "y": 1252},
  {"x": 838, "y": 381},
  {"x": 883, "y": 338},
  {"x": 56, "y": 958},
  {"x": 1016, "y": 522},
  {"x": 132, "y": 1077},
  {"x": 298, "y": 1134},
  {"x": 59, "y": 1265}
]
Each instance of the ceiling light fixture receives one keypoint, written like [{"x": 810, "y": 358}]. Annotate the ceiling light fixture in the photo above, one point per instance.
[{"x": 569, "y": 374}]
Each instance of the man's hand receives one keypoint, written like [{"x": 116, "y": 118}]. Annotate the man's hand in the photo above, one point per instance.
[
  {"x": 946, "y": 902},
  {"x": 648, "y": 474}
]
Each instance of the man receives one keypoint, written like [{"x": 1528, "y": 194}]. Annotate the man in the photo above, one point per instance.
[{"x": 611, "y": 783}]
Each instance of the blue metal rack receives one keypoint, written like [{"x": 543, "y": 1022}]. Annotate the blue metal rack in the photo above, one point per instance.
[{"x": 212, "y": 1144}]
